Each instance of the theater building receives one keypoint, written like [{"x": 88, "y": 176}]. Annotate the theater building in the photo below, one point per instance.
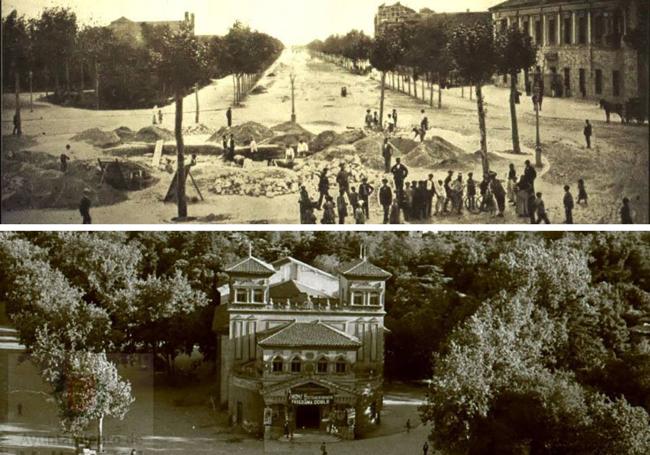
[
  {"x": 304, "y": 349},
  {"x": 586, "y": 47}
]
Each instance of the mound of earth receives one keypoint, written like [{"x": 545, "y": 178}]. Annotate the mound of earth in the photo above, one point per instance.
[
  {"x": 404, "y": 145},
  {"x": 259, "y": 90},
  {"x": 287, "y": 139},
  {"x": 432, "y": 153},
  {"x": 350, "y": 137},
  {"x": 293, "y": 128},
  {"x": 125, "y": 133},
  {"x": 369, "y": 152},
  {"x": 243, "y": 133},
  {"x": 33, "y": 180},
  {"x": 323, "y": 140},
  {"x": 264, "y": 181},
  {"x": 151, "y": 134},
  {"x": 98, "y": 138},
  {"x": 198, "y": 129}
]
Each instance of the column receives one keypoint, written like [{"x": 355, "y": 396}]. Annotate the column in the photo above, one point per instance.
[
  {"x": 544, "y": 37},
  {"x": 574, "y": 28},
  {"x": 589, "y": 27},
  {"x": 558, "y": 33}
]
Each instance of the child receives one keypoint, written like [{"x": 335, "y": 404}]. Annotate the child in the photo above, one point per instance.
[
  {"x": 359, "y": 214},
  {"x": 582, "y": 193}
]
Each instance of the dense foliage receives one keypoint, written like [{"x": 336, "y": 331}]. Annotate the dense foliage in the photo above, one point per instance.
[
  {"x": 530, "y": 340},
  {"x": 126, "y": 71}
]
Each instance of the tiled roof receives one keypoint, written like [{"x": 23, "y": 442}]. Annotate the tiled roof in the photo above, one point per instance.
[
  {"x": 289, "y": 259},
  {"x": 293, "y": 289},
  {"x": 309, "y": 334},
  {"x": 252, "y": 266},
  {"x": 514, "y": 4},
  {"x": 361, "y": 268}
]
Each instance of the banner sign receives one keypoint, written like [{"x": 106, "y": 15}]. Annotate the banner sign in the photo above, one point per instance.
[{"x": 302, "y": 399}]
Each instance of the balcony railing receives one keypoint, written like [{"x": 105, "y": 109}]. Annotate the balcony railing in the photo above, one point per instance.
[{"x": 309, "y": 305}]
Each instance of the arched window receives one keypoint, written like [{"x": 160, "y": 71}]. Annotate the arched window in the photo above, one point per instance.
[
  {"x": 277, "y": 364},
  {"x": 340, "y": 365},
  {"x": 296, "y": 365},
  {"x": 322, "y": 365}
]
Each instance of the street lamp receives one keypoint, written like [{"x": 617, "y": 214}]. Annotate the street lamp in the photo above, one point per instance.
[
  {"x": 31, "y": 91},
  {"x": 538, "y": 143},
  {"x": 292, "y": 77}
]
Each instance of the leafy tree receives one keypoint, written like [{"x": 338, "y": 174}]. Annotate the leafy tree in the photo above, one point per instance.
[
  {"x": 431, "y": 53},
  {"x": 15, "y": 54},
  {"x": 86, "y": 385},
  {"x": 179, "y": 59},
  {"x": 516, "y": 53},
  {"x": 473, "y": 52},
  {"x": 385, "y": 55}
]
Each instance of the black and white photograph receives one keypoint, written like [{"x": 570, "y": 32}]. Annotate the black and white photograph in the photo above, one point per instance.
[
  {"x": 325, "y": 112},
  {"x": 325, "y": 342}
]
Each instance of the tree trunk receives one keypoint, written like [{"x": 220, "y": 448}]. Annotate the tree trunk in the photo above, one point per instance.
[
  {"x": 100, "y": 434},
  {"x": 19, "y": 122},
  {"x": 234, "y": 90},
  {"x": 409, "y": 84},
  {"x": 381, "y": 101},
  {"x": 81, "y": 81},
  {"x": 67, "y": 77},
  {"x": 431, "y": 93},
  {"x": 196, "y": 95},
  {"x": 439, "y": 92},
  {"x": 513, "y": 115},
  {"x": 180, "y": 157},
  {"x": 423, "y": 91},
  {"x": 415, "y": 88},
  {"x": 470, "y": 91},
  {"x": 96, "y": 84},
  {"x": 57, "y": 84},
  {"x": 482, "y": 128}
]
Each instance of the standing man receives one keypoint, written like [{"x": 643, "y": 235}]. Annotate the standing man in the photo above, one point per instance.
[
  {"x": 343, "y": 180},
  {"x": 16, "y": 131},
  {"x": 395, "y": 118},
  {"x": 365, "y": 191},
  {"x": 323, "y": 187},
  {"x": 531, "y": 174},
  {"x": 440, "y": 197},
  {"x": 387, "y": 153},
  {"x": 154, "y": 113},
  {"x": 471, "y": 191},
  {"x": 342, "y": 206},
  {"x": 354, "y": 198},
  {"x": 626, "y": 212},
  {"x": 84, "y": 207},
  {"x": 303, "y": 148},
  {"x": 224, "y": 144},
  {"x": 499, "y": 194},
  {"x": 369, "y": 119},
  {"x": 568, "y": 205},
  {"x": 588, "y": 132},
  {"x": 448, "y": 191},
  {"x": 430, "y": 194},
  {"x": 229, "y": 117},
  {"x": 541, "y": 210},
  {"x": 385, "y": 199},
  {"x": 400, "y": 172},
  {"x": 231, "y": 147},
  {"x": 160, "y": 116},
  {"x": 425, "y": 448},
  {"x": 64, "y": 159}
]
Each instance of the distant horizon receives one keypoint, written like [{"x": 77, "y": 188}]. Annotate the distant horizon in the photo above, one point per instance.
[{"x": 294, "y": 22}]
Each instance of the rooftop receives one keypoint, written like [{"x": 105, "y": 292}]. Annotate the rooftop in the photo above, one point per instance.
[
  {"x": 252, "y": 266},
  {"x": 361, "y": 268},
  {"x": 514, "y": 4},
  {"x": 309, "y": 335}
]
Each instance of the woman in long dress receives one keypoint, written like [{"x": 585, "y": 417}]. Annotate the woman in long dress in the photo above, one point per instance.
[
  {"x": 512, "y": 183},
  {"x": 521, "y": 190},
  {"x": 329, "y": 215}
]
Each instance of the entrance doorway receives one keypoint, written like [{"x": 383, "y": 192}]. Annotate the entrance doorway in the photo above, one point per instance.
[{"x": 307, "y": 417}]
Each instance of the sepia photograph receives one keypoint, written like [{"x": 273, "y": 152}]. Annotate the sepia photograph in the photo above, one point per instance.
[
  {"x": 325, "y": 112},
  {"x": 325, "y": 343}
]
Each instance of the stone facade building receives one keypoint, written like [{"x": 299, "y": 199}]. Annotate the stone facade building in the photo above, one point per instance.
[
  {"x": 583, "y": 51},
  {"x": 304, "y": 349},
  {"x": 391, "y": 15},
  {"x": 133, "y": 31}
]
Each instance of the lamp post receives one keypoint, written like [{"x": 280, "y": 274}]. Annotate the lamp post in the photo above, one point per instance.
[
  {"x": 538, "y": 143},
  {"x": 292, "y": 77}
]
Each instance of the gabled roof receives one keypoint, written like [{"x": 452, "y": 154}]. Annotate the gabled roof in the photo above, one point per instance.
[
  {"x": 251, "y": 266},
  {"x": 292, "y": 288},
  {"x": 283, "y": 261},
  {"x": 309, "y": 335},
  {"x": 361, "y": 268}
]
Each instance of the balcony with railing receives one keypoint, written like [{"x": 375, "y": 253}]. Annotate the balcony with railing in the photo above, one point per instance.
[{"x": 308, "y": 305}]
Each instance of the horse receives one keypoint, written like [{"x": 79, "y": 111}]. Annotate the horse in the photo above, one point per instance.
[{"x": 613, "y": 108}]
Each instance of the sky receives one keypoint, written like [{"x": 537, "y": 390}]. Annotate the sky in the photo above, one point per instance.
[{"x": 292, "y": 21}]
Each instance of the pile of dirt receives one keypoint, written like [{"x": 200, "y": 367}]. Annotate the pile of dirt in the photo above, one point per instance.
[
  {"x": 125, "y": 133},
  {"x": 198, "y": 129},
  {"x": 433, "y": 153},
  {"x": 310, "y": 169},
  {"x": 369, "y": 152},
  {"x": 33, "y": 180},
  {"x": 292, "y": 128},
  {"x": 263, "y": 181},
  {"x": 350, "y": 137},
  {"x": 323, "y": 140},
  {"x": 98, "y": 138},
  {"x": 243, "y": 133},
  {"x": 402, "y": 144},
  {"x": 151, "y": 134}
]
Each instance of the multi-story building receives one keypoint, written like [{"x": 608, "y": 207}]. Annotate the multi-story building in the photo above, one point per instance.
[
  {"x": 582, "y": 47},
  {"x": 391, "y": 15},
  {"x": 304, "y": 349},
  {"x": 133, "y": 31}
]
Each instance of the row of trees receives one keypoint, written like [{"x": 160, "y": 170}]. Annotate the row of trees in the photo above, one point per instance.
[
  {"x": 354, "y": 47},
  {"x": 529, "y": 339},
  {"x": 438, "y": 48}
]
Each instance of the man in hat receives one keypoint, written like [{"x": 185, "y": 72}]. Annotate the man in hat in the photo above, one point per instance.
[
  {"x": 385, "y": 199},
  {"x": 323, "y": 187},
  {"x": 400, "y": 172},
  {"x": 84, "y": 207},
  {"x": 387, "y": 153},
  {"x": 343, "y": 180},
  {"x": 365, "y": 191},
  {"x": 568, "y": 205}
]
